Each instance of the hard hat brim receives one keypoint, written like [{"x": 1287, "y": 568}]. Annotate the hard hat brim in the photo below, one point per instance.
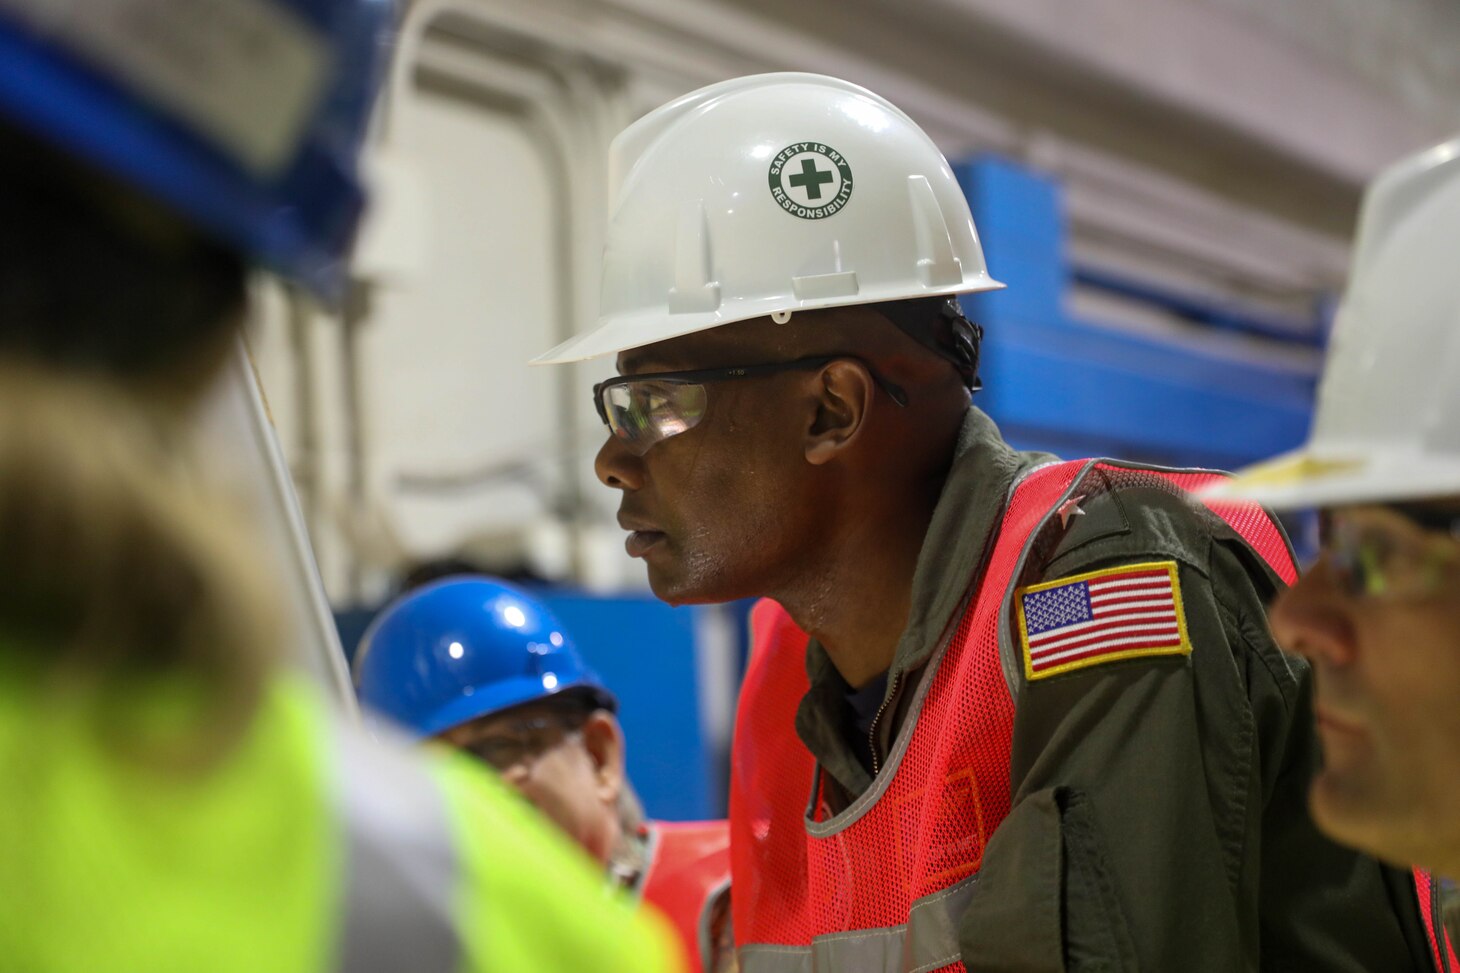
[
  {"x": 1306, "y": 479},
  {"x": 506, "y": 695}
]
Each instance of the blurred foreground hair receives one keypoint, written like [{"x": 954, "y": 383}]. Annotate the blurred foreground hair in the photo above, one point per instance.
[{"x": 119, "y": 575}]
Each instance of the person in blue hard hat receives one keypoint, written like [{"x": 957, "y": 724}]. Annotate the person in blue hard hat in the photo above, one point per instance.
[
  {"x": 174, "y": 799},
  {"x": 483, "y": 666}
]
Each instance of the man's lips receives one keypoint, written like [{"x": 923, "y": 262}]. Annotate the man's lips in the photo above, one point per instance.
[
  {"x": 640, "y": 541},
  {"x": 642, "y": 535},
  {"x": 1336, "y": 725}
]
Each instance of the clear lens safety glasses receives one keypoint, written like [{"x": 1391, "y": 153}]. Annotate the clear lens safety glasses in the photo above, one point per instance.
[
  {"x": 1394, "y": 552},
  {"x": 643, "y": 412},
  {"x": 646, "y": 409}
]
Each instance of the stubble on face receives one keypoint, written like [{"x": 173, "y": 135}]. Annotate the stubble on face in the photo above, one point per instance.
[
  {"x": 559, "y": 781},
  {"x": 1389, "y": 724},
  {"x": 728, "y": 496}
]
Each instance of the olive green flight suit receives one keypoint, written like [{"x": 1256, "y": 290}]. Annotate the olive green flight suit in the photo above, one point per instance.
[{"x": 1159, "y": 818}]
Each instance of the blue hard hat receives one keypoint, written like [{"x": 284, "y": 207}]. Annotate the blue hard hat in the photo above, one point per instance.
[
  {"x": 466, "y": 647},
  {"x": 245, "y": 116}
]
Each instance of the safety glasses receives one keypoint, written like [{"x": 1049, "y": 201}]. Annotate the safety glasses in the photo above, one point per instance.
[
  {"x": 646, "y": 409},
  {"x": 524, "y": 741},
  {"x": 1393, "y": 552}
]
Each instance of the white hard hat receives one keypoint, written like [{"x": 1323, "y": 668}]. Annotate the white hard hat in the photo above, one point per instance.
[
  {"x": 768, "y": 194},
  {"x": 1387, "y": 425}
]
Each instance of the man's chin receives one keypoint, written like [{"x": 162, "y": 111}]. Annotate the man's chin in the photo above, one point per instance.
[
  {"x": 671, "y": 587},
  {"x": 674, "y": 593},
  {"x": 1362, "y": 817}
]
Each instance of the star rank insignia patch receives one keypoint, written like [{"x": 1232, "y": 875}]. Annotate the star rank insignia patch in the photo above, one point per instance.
[{"x": 1103, "y": 616}]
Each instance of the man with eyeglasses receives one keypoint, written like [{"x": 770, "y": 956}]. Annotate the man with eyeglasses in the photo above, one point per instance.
[
  {"x": 1038, "y": 723},
  {"x": 1378, "y": 614},
  {"x": 484, "y": 666}
]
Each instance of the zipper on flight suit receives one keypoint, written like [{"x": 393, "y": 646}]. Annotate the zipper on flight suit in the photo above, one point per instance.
[{"x": 872, "y": 729}]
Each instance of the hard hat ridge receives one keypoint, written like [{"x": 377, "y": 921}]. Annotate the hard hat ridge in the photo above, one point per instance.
[
  {"x": 1396, "y": 194},
  {"x": 1387, "y": 423},
  {"x": 634, "y": 142}
]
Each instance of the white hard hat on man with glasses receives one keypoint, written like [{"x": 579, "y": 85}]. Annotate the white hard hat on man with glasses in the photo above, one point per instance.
[{"x": 1378, "y": 614}]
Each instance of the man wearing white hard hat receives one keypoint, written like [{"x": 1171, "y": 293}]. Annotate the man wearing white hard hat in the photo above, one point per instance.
[
  {"x": 1378, "y": 615},
  {"x": 1002, "y": 712}
]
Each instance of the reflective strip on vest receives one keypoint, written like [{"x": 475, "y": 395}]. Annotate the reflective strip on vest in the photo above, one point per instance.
[
  {"x": 882, "y": 884},
  {"x": 927, "y": 941},
  {"x": 707, "y": 935},
  {"x": 401, "y": 871},
  {"x": 688, "y": 871}
]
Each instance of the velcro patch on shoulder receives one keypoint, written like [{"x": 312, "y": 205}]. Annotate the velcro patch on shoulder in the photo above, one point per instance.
[{"x": 1119, "y": 613}]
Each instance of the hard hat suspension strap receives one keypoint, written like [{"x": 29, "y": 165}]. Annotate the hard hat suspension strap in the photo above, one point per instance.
[{"x": 938, "y": 324}]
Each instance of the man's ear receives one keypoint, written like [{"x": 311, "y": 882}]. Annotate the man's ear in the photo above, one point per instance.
[
  {"x": 604, "y": 741},
  {"x": 843, "y": 394}
]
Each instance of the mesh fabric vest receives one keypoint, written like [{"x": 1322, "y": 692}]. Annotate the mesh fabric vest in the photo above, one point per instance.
[
  {"x": 690, "y": 866},
  {"x": 881, "y": 885}
]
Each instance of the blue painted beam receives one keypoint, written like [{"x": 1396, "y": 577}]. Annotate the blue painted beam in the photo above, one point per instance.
[
  {"x": 644, "y": 651},
  {"x": 1118, "y": 395},
  {"x": 1055, "y": 381},
  {"x": 1306, "y": 331}
]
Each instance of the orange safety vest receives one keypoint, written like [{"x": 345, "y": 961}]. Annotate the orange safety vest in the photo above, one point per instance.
[
  {"x": 689, "y": 869},
  {"x": 1442, "y": 950},
  {"x": 882, "y": 886}
]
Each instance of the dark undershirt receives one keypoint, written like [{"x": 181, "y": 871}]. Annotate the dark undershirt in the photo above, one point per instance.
[{"x": 864, "y": 704}]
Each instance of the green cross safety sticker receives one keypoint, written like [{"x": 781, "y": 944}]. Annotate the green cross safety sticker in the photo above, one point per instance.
[{"x": 810, "y": 180}]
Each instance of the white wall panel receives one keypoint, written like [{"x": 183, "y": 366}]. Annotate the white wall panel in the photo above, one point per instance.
[
  {"x": 1201, "y": 143},
  {"x": 444, "y": 359}
]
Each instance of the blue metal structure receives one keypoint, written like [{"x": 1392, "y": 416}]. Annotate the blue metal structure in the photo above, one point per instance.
[
  {"x": 281, "y": 185},
  {"x": 644, "y": 652},
  {"x": 1056, "y": 382}
]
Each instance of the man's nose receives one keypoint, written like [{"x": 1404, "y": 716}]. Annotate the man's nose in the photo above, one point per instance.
[
  {"x": 1313, "y": 619},
  {"x": 516, "y": 775},
  {"x": 617, "y": 467}
]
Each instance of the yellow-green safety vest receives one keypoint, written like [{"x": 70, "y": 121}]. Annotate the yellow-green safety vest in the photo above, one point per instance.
[{"x": 308, "y": 848}]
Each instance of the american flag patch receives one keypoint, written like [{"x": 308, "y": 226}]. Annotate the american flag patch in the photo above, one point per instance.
[{"x": 1119, "y": 613}]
